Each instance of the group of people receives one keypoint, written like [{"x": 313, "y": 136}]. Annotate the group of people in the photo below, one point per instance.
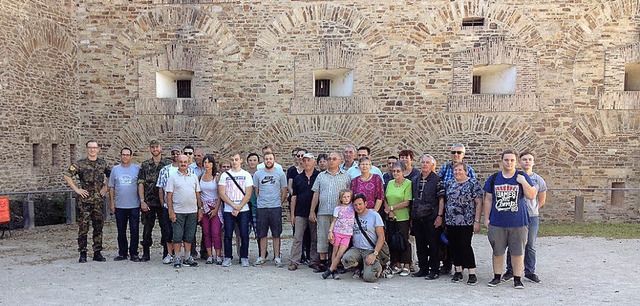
[{"x": 345, "y": 213}]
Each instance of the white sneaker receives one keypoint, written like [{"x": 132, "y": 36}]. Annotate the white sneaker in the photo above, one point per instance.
[
  {"x": 244, "y": 262},
  {"x": 226, "y": 262},
  {"x": 278, "y": 262},
  {"x": 259, "y": 262},
  {"x": 168, "y": 259}
]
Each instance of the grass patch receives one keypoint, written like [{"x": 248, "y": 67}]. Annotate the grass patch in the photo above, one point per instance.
[{"x": 593, "y": 229}]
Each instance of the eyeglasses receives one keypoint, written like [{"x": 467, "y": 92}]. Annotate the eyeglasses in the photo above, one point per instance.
[
  {"x": 396, "y": 171},
  {"x": 333, "y": 158},
  {"x": 457, "y": 152}
]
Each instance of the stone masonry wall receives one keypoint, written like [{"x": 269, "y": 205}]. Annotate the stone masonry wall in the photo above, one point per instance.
[{"x": 253, "y": 64}]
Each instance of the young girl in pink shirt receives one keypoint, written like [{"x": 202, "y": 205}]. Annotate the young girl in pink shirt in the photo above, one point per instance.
[{"x": 340, "y": 231}]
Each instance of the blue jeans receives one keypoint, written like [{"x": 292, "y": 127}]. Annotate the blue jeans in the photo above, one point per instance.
[
  {"x": 132, "y": 216},
  {"x": 530, "y": 248},
  {"x": 243, "y": 219}
]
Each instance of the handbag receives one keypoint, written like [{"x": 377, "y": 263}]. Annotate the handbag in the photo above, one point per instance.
[
  {"x": 396, "y": 240},
  {"x": 384, "y": 256}
]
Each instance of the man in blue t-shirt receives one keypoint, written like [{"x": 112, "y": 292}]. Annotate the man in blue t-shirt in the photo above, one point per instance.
[
  {"x": 125, "y": 203},
  {"x": 507, "y": 217}
]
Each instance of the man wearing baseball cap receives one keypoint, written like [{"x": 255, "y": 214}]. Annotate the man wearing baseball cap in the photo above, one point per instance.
[
  {"x": 300, "y": 208},
  {"x": 149, "y": 202}
]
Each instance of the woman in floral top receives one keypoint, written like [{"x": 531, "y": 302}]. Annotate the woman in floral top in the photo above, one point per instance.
[
  {"x": 368, "y": 184},
  {"x": 463, "y": 209}
]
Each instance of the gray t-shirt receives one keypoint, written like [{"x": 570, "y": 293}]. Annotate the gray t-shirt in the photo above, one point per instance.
[
  {"x": 540, "y": 185},
  {"x": 369, "y": 223},
  {"x": 125, "y": 182},
  {"x": 269, "y": 185}
]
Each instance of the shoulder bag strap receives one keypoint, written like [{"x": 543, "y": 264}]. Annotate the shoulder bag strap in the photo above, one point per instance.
[
  {"x": 235, "y": 182},
  {"x": 364, "y": 233}
]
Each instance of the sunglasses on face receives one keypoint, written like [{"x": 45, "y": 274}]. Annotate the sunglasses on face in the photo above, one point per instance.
[
  {"x": 299, "y": 155},
  {"x": 188, "y": 153},
  {"x": 457, "y": 152}
]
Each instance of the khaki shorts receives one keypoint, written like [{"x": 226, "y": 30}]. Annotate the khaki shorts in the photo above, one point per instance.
[
  {"x": 324, "y": 224},
  {"x": 502, "y": 237}
]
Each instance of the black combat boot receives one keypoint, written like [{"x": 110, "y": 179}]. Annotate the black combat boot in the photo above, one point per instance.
[
  {"x": 145, "y": 254},
  {"x": 98, "y": 257},
  {"x": 83, "y": 257}
]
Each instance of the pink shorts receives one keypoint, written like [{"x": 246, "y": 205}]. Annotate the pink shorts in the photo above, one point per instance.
[{"x": 341, "y": 239}]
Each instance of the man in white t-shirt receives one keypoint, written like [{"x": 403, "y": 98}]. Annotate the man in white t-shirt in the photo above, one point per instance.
[
  {"x": 235, "y": 188},
  {"x": 185, "y": 210}
]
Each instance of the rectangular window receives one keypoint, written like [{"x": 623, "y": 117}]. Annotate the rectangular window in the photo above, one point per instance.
[
  {"x": 476, "y": 84},
  {"x": 473, "y": 22},
  {"x": 72, "y": 153},
  {"x": 55, "y": 155},
  {"x": 184, "y": 88},
  {"x": 322, "y": 88},
  {"x": 37, "y": 154}
]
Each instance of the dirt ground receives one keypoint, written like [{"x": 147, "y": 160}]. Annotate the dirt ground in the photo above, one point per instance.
[{"x": 39, "y": 267}]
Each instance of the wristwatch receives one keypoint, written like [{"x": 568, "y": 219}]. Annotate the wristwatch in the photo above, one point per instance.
[
  {"x": 391, "y": 208},
  {"x": 375, "y": 253}
]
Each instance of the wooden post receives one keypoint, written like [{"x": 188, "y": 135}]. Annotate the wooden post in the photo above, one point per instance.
[
  {"x": 579, "y": 209},
  {"x": 29, "y": 215},
  {"x": 71, "y": 209}
]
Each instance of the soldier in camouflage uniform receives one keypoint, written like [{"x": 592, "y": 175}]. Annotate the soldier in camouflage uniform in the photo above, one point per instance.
[
  {"x": 92, "y": 173},
  {"x": 150, "y": 202}
]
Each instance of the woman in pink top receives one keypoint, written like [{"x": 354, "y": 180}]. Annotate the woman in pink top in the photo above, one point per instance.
[
  {"x": 211, "y": 225},
  {"x": 368, "y": 184}
]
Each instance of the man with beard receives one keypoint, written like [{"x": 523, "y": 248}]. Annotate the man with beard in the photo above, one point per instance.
[{"x": 270, "y": 186}]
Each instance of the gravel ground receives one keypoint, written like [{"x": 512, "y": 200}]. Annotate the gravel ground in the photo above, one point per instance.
[{"x": 39, "y": 267}]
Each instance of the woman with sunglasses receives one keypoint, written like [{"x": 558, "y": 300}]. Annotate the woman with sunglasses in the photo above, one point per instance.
[
  {"x": 397, "y": 198},
  {"x": 463, "y": 209}
]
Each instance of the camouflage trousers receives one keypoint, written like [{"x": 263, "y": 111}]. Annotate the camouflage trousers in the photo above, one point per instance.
[
  {"x": 90, "y": 213},
  {"x": 148, "y": 222}
]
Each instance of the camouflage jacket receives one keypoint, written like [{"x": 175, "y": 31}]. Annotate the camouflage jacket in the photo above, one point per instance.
[
  {"x": 148, "y": 177},
  {"x": 91, "y": 174}
]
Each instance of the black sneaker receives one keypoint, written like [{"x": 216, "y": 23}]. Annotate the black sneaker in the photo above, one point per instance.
[
  {"x": 432, "y": 276},
  {"x": 445, "y": 270},
  {"x": 473, "y": 280},
  {"x": 135, "y": 258},
  {"x": 494, "y": 282},
  {"x": 507, "y": 276},
  {"x": 457, "y": 277},
  {"x": 533, "y": 277},
  {"x": 118, "y": 258},
  {"x": 420, "y": 273},
  {"x": 98, "y": 257},
  {"x": 326, "y": 274},
  {"x": 518, "y": 284}
]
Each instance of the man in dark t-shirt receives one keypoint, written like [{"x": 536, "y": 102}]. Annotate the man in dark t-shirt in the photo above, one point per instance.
[{"x": 300, "y": 209}]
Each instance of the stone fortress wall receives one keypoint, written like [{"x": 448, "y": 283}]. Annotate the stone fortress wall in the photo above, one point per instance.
[{"x": 75, "y": 70}]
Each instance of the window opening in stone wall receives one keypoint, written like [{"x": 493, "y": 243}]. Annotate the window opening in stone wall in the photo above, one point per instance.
[
  {"x": 617, "y": 196},
  {"x": 475, "y": 87},
  {"x": 632, "y": 77},
  {"x": 72, "y": 153},
  {"x": 174, "y": 84},
  {"x": 339, "y": 82},
  {"x": 323, "y": 88},
  {"x": 55, "y": 155},
  {"x": 496, "y": 79},
  {"x": 473, "y": 22},
  {"x": 37, "y": 154}
]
